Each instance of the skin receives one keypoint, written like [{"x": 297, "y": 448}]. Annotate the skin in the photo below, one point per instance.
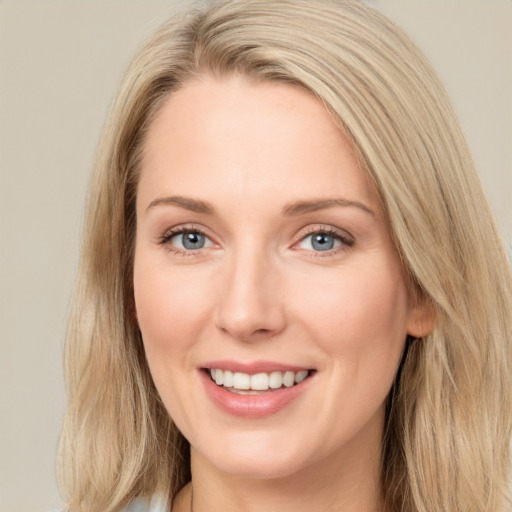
[{"x": 258, "y": 290}]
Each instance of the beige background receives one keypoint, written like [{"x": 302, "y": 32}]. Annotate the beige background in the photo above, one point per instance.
[{"x": 59, "y": 64}]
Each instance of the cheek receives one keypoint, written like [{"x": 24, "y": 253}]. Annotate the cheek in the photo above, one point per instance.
[
  {"x": 358, "y": 320},
  {"x": 358, "y": 315},
  {"x": 164, "y": 300}
]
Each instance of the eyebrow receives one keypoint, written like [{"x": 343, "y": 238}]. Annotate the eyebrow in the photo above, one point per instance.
[
  {"x": 302, "y": 207},
  {"x": 194, "y": 205},
  {"x": 294, "y": 209}
]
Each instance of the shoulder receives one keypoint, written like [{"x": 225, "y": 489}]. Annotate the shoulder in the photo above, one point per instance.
[{"x": 155, "y": 504}]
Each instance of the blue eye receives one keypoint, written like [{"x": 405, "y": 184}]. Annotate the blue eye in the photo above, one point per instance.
[
  {"x": 189, "y": 240},
  {"x": 323, "y": 241}
]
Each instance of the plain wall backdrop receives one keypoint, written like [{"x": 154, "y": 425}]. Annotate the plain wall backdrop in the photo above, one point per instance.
[{"x": 60, "y": 62}]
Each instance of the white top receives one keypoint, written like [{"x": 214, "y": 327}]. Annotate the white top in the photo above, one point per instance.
[{"x": 156, "y": 504}]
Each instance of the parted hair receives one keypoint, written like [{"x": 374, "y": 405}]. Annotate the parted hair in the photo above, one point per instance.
[{"x": 446, "y": 444}]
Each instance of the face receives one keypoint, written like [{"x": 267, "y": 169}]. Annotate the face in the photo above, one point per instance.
[{"x": 262, "y": 258}]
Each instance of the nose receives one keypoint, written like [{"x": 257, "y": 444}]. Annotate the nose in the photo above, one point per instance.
[{"x": 250, "y": 305}]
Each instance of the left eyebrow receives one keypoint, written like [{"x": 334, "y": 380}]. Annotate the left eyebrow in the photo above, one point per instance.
[{"x": 302, "y": 207}]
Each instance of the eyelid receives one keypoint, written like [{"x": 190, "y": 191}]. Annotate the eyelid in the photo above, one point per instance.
[
  {"x": 347, "y": 240},
  {"x": 170, "y": 233}
]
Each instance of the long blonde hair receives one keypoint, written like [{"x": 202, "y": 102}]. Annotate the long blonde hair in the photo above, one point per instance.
[{"x": 446, "y": 443}]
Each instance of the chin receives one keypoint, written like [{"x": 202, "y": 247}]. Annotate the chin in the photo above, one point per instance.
[
  {"x": 257, "y": 468},
  {"x": 254, "y": 457}
]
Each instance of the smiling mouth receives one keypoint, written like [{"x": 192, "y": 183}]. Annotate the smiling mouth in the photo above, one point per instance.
[{"x": 253, "y": 384}]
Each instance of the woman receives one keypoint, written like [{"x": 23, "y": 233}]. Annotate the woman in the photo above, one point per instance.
[{"x": 292, "y": 292}]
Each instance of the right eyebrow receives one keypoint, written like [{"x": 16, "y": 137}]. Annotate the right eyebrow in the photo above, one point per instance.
[{"x": 194, "y": 205}]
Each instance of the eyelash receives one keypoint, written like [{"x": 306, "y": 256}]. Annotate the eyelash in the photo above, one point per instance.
[
  {"x": 347, "y": 242},
  {"x": 171, "y": 233}
]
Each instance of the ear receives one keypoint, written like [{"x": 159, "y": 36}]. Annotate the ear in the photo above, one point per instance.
[{"x": 421, "y": 317}]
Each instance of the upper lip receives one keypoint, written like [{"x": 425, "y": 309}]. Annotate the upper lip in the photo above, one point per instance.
[{"x": 254, "y": 367}]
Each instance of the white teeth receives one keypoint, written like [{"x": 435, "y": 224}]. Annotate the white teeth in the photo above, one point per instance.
[
  {"x": 258, "y": 381},
  {"x": 289, "y": 379},
  {"x": 275, "y": 380},
  {"x": 240, "y": 380},
  {"x": 299, "y": 376},
  {"x": 228, "y": 379}
]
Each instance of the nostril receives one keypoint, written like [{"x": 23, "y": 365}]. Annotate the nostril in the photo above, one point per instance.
[{"x": 249, "y": 309}]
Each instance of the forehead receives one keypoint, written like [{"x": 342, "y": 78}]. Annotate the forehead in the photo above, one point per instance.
[{"x": 236, "y": 137}]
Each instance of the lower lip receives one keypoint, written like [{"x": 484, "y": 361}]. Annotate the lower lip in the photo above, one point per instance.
[{"x": 252, "y": 406}]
